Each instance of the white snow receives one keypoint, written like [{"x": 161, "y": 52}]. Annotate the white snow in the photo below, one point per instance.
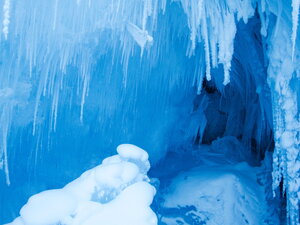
[
  {"x": 128, "y": 151},
  {"x": 115, "y": 175},
  {"x": 48, "y": 207},
  {"x": 116, "y": 192},
  {"x": 219, "y": 195},
  {"x": 131, "y": 207}
]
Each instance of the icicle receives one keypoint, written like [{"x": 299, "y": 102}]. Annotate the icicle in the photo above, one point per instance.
[
  {"x": 193, "y": 10},
  {"x": 226, "y": 45},
  {"x": 6, "y": 159},
  {"x": 206, "y": 46},
  {"x": 200, "y": 81},
  {"x": 6, "y": 12},
  {"x": 54, "y": 108},
  {"x": 226, "y": 76},
  {"x": 261, "y": 10},
  {"x": 295, "y": 15},
  {"x": 278, "y": 14},
  {"x": 213, "y": 50},
  {"x": 84, "y": 94},
  {"x": 141, "y": 36},
  {"x": 146, "y": 13},
  {"x": 163, "y": 5},
  {"x": 55, "y": 14},
  {"x": 5, "y": 123},
  {"x": 37, "y": 102}
]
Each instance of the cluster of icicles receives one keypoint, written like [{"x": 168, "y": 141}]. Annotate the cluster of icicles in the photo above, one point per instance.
[{"x": 211, "y": 23}]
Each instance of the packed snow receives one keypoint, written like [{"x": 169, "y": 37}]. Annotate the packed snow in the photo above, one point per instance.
[
  {"x": 213, "y": 188},
  {"x": 217, "y": 195},
  {"x": 116, "y": 192}
]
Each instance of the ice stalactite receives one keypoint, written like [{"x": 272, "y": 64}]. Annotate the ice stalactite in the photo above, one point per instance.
[
  {"x": 4, "y": 131},
  {"x": 206, "y": 48},
  {"x": 214, "y": 22},
  {"x": 55, "y": 14},
  {"x": 6, "y": 18},
  {"x": 226, "y": 45},
  {"x": 141, "y": 35},
  {"x": 194, "y": 9},
  {"x": 295, "y": 18}
]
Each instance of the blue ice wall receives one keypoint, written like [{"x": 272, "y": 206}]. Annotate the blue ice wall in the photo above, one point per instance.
[
  {"x": 53, "y": 137},
  {"x": 80, "y": 77}
]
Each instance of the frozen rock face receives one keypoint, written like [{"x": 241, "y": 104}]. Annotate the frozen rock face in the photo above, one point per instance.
[{"x": 117, "y": 192}]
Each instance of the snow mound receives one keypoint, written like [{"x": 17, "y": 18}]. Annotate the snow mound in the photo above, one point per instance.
[
  {"x": 117, "y": 192},
  {"x": 216, "y": 195}
]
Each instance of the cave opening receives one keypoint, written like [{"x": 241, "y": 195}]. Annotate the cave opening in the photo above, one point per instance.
[{"x": 230, "y": 124}]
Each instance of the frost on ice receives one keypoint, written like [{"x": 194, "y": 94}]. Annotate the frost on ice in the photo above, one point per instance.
[{"x": 116, "y": 192}]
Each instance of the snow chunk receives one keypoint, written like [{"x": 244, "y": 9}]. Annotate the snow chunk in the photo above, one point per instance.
[{"x": 128, "y": 151}]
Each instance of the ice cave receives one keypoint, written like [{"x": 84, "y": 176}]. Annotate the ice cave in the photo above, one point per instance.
[{"x": 149, "y": 112}]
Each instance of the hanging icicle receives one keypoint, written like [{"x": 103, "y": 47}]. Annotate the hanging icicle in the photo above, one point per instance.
[
  {"x": 6, "y": 18},
  {"x": 295, "y": 16}
]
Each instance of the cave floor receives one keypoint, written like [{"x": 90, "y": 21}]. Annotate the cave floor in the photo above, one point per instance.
[{"x": 208, "y": 187}]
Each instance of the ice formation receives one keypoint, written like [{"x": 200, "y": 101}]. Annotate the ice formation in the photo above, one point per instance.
[
  {"x": 214, "y": 22},
  {"x": 116, "y": 192},
  {"x": 79, "y": 76}
]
